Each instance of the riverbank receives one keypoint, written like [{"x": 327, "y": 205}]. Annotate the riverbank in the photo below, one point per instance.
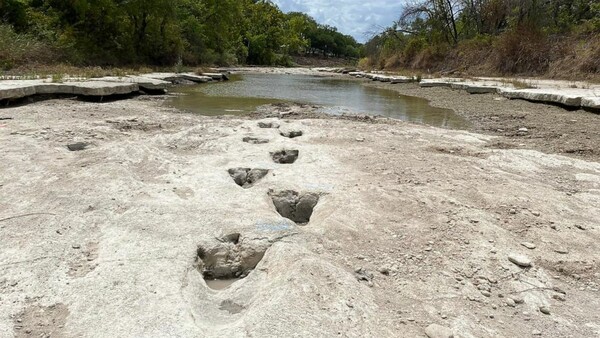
[
  {"x": 412, "y": 229},
  {"x": 521, "y": 124}
]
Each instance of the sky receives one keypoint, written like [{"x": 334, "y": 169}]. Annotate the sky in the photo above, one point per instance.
[{"x": 359, "y": 18}]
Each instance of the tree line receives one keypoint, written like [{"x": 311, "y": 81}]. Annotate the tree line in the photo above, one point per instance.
[
  {"x": 504, "y": 36},
  {"x": 161, "y": 32}
]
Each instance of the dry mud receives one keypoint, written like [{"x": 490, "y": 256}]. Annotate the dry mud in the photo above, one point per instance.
[
  {"x": 410, "y": 233},
  {"x": 522, "y": 124}
]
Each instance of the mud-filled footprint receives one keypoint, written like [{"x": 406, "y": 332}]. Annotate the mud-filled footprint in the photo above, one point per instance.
[
  {"x": 285, "y": 156},
  {"x": 255, "y": 140},
  {"x": 246, "y": 177},
  {"x": 295, "y": 206},
  {"x": 229, "y": 259},
  {"x": 291, "y": 133}
]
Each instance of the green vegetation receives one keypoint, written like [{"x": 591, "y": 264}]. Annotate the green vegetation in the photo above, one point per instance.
[
  {"x": 160, "y": 33},
  {"x": 529, "y": 37}
]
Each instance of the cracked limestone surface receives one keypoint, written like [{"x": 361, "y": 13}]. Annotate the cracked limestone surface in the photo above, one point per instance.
[{"x": 108, "y": 237}]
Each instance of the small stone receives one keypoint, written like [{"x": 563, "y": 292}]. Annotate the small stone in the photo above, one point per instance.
[
  {"x": 544, "y": 310},
  {"x": 528, "y": 245},
  {"x": 512, "y": 211},
  {"x": 559, "y": 297},
  {"x": 510, "y": 302},
  {"x": 360, "y": 139},
  {"x": 562, "y": 251},
  {"x": 438, "y": 331},
  {"x": 384, "y": 270},
  {"x": 77, "y": 146},
  {"x": 268, "y": 125},
  {"x": 520, "y": 260},
  {"x": 535, "y": 213},
  {"x": 486, "y": 293},
  {"x": 291, "y": 133},
  {"x": 76, "y": 246},
  {"x": 580, "y": 227},
  {"x": 523, "y": 130},
  {"x": 536, "y": 333}
]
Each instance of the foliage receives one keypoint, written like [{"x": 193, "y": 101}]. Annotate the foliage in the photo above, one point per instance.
[
  {"x": 509, "y": 36},
  {"x": 162, "y": 32}
]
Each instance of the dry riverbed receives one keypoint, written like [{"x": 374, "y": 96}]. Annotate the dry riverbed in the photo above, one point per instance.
[
  {"x": 522, "y": 124},
  {"x": 392, "y": 229}
]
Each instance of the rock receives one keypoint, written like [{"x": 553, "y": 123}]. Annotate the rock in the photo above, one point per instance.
[
  {"x": 520, "y": 260},
  {"x": 102, "y": 88},
  {"x": 268, "y": 125},
  {"x": 291, "y": 133},
  {"x": 217, "y": 76},
  {"x": 179, "y": 77},
  {"x": 438, "y": 331},
  {"x": 143, "y": 82},
  {"x": 384, "y": 270},
  {"x": 255, "y": 140},
  {"x": 544, "y": 310},
  {"x": 510, "y": 302},
  {"x": 77, "y": 146},
  {"x": 486, "y": 293},
  {"x": 559, "y": 297},
  {"x": 549, "y": 95},
  {"x": 562, "y": 251},
  {"x": 528, "y": 245},
  {"x": 363, "y": 275}
]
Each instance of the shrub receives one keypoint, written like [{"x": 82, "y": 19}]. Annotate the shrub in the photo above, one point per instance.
[
  {"x": 18, "y": 49},
  {"x": 364, "y": 63},
  {"x": 522, "y": 50},
  {"x": 412, "y": 48},
  {"x": 590, "y": 57}
]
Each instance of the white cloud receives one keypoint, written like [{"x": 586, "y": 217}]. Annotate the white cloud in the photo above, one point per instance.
[{"x": 354, "y": 17}]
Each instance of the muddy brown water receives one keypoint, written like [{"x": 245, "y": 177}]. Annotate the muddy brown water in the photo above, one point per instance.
[
  {"x": 244, "y": 93},
  {"x": 220, "y": 284}
]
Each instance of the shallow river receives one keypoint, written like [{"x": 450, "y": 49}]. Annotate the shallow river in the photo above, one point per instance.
[{"x": 246, "y": 92}]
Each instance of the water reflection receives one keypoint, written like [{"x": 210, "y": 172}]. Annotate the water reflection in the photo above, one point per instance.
[{"x": 246, "y": 92}]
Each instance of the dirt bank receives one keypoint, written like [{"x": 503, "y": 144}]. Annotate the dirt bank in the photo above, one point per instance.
[
  {"x": 551, "y": 129},
  {"x": 399, "y": 226}
]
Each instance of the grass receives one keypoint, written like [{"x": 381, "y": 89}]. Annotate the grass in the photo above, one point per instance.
[
  {"x": 58, "y": 78},
  {"x": 521, "y": 84},
  {"x": 60, "y": 71}
]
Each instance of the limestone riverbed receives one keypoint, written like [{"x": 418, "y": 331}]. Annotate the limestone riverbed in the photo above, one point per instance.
[{"x": 356, "y": 227}]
